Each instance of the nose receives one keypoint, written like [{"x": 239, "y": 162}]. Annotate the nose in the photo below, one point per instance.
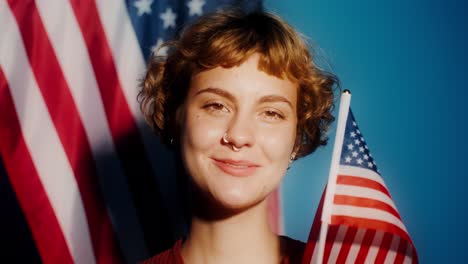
[{"x": 240, "y": 132}]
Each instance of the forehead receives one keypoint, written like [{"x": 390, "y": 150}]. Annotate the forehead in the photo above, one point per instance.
[{"x": 245, "y": 80}]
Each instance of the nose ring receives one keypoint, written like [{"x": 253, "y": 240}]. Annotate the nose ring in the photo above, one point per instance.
[{"x": 226, "y": 141}]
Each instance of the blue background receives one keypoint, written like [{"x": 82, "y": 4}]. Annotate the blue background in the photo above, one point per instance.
[{"x": 405, "y": 63}]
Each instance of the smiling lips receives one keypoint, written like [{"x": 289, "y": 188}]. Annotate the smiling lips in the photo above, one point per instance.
[{"x": 238, "y": 168}]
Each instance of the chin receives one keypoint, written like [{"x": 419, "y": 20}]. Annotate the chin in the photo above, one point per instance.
[{"x": 238, "y": 200}]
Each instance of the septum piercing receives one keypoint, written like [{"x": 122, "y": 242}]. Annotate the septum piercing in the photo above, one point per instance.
[
  {"x": 226, "y": 141},
  {"x": 225, "y": 138}
]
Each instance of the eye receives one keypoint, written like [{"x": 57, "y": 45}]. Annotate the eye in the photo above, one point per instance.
[
  {"x": 216, "y": 107},
  {"x": 272, "y": 115}
]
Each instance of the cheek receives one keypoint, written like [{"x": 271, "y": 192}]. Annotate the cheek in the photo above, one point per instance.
[
  {"x": 200, "y": 133},
  {"x": 278, "y": 143}
]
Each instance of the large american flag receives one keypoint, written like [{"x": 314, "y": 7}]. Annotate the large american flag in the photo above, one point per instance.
[
  {"x": 365, "y": 226},
  {"x": 90, "y": 179}
]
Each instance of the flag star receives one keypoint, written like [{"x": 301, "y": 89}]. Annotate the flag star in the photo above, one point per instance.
[
  {"x": 353, "y": 134},
  {"x": 168, "y": 18},
  {"x": 362, "y": 139},
  {"x": 348, "y": 159},
  {"x": 143, "y": 6},
  {"x": 374, "y": 163},
  {"x": 350, "y": 146},
  {"x": 357, "y": 131},
  {"x": 354, "y": 154},
  {"x": 366, "y": 157},
  {"x": 160, "y": 51},
  {"x": 366, "y": 147},
  {"x": 354, "y": 123},
  {"x": 359, "y": 161},
  {"x": 361, "y": 149},
  {"x": 370, "y": 165},
  {"x": 195, "y": 7},
  {"x": 356, "y": 141}
]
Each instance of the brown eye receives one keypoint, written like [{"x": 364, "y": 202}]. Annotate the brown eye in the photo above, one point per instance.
[
  {"x": 272, "y": 115},
  {"x": 216, "y": 107}
]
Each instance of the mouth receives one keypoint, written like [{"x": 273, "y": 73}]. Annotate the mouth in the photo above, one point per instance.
[{"x": 237, "y": 168}]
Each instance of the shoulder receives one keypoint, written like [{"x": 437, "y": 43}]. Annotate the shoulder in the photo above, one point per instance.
[
  {"x": 170, "y": 256},
  {"x": 292, "y": 249}
]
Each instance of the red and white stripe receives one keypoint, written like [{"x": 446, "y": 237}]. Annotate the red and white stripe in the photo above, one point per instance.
[
  {"x": 362, "y": 199},
  {"x": 365, "y": 224},
  {"x": 65, "y": 95}
]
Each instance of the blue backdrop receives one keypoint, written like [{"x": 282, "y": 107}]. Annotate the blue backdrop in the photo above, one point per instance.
[{"x": 406, "y": 65}]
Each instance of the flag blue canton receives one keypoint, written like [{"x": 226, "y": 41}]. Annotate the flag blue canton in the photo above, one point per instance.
[
  {"x": 156, "y": 22},
  {"x": 355, "y": 151}
]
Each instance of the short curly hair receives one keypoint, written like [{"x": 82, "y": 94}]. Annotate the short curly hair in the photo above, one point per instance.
[{"x": 227, "y": 38}]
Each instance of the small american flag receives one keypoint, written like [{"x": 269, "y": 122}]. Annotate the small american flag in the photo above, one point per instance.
[
  {"x": 72, "y": 139},
  {"x": 364, "y": 224}
]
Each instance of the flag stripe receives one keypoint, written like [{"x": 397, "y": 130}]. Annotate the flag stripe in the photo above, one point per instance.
[
  {"x": 361, "y": 182},
  {"x": 337, "y": 244},
  {"x": 363, "y": 173},
  {"x": 54, "y": 169},
  {"x": 384, "y": 248},
  {"x": 402, "y": 247},
  {"x": 391, "y": 255},
  {"x": 361, "y": 192},
  {"x": 70, "y": 52},
  {"x": 123, "y": 127},
  {"x": 367, "y": 213},
  {"x": 365, "y": 202},
  {"x": 331, "y": 235},
  {"x": 359, "y": 221},
  {"x": 365, "y": 246},
  {"x": 347, "y": 243},
  {"x": 26, "y": 182},
  {"x": 374, "y": 247},
  {"x": 355, "y": 247},
  {"x": 115, "y": 105},
  {"x": 126, "y": 51}
]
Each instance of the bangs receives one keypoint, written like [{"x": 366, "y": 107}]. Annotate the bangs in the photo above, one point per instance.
[{"x": 281, "y": 51}]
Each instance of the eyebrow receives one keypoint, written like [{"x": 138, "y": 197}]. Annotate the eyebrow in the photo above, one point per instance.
[
  {"x": 217, "y": 91},
  {"x": 226, "y": 94},
  {"x": 275, "y": 98}
]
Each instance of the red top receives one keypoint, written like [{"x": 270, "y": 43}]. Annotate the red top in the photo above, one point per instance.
[{"x": 292, "y": 251}]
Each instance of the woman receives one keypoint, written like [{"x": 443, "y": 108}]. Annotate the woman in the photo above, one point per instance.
[{"x": 240, "y": 96}]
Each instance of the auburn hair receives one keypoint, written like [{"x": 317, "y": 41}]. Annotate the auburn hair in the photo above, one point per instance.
[{"x": 226, "y": 39}]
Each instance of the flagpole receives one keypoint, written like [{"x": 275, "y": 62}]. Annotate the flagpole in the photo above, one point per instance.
[{"x": 335, "y": 162}]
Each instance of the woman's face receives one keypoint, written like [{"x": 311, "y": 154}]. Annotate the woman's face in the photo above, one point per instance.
[{"x": 257, "y": 112}]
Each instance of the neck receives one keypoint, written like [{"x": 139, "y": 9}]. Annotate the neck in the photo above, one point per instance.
[{"x": 244, "y": 237}]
